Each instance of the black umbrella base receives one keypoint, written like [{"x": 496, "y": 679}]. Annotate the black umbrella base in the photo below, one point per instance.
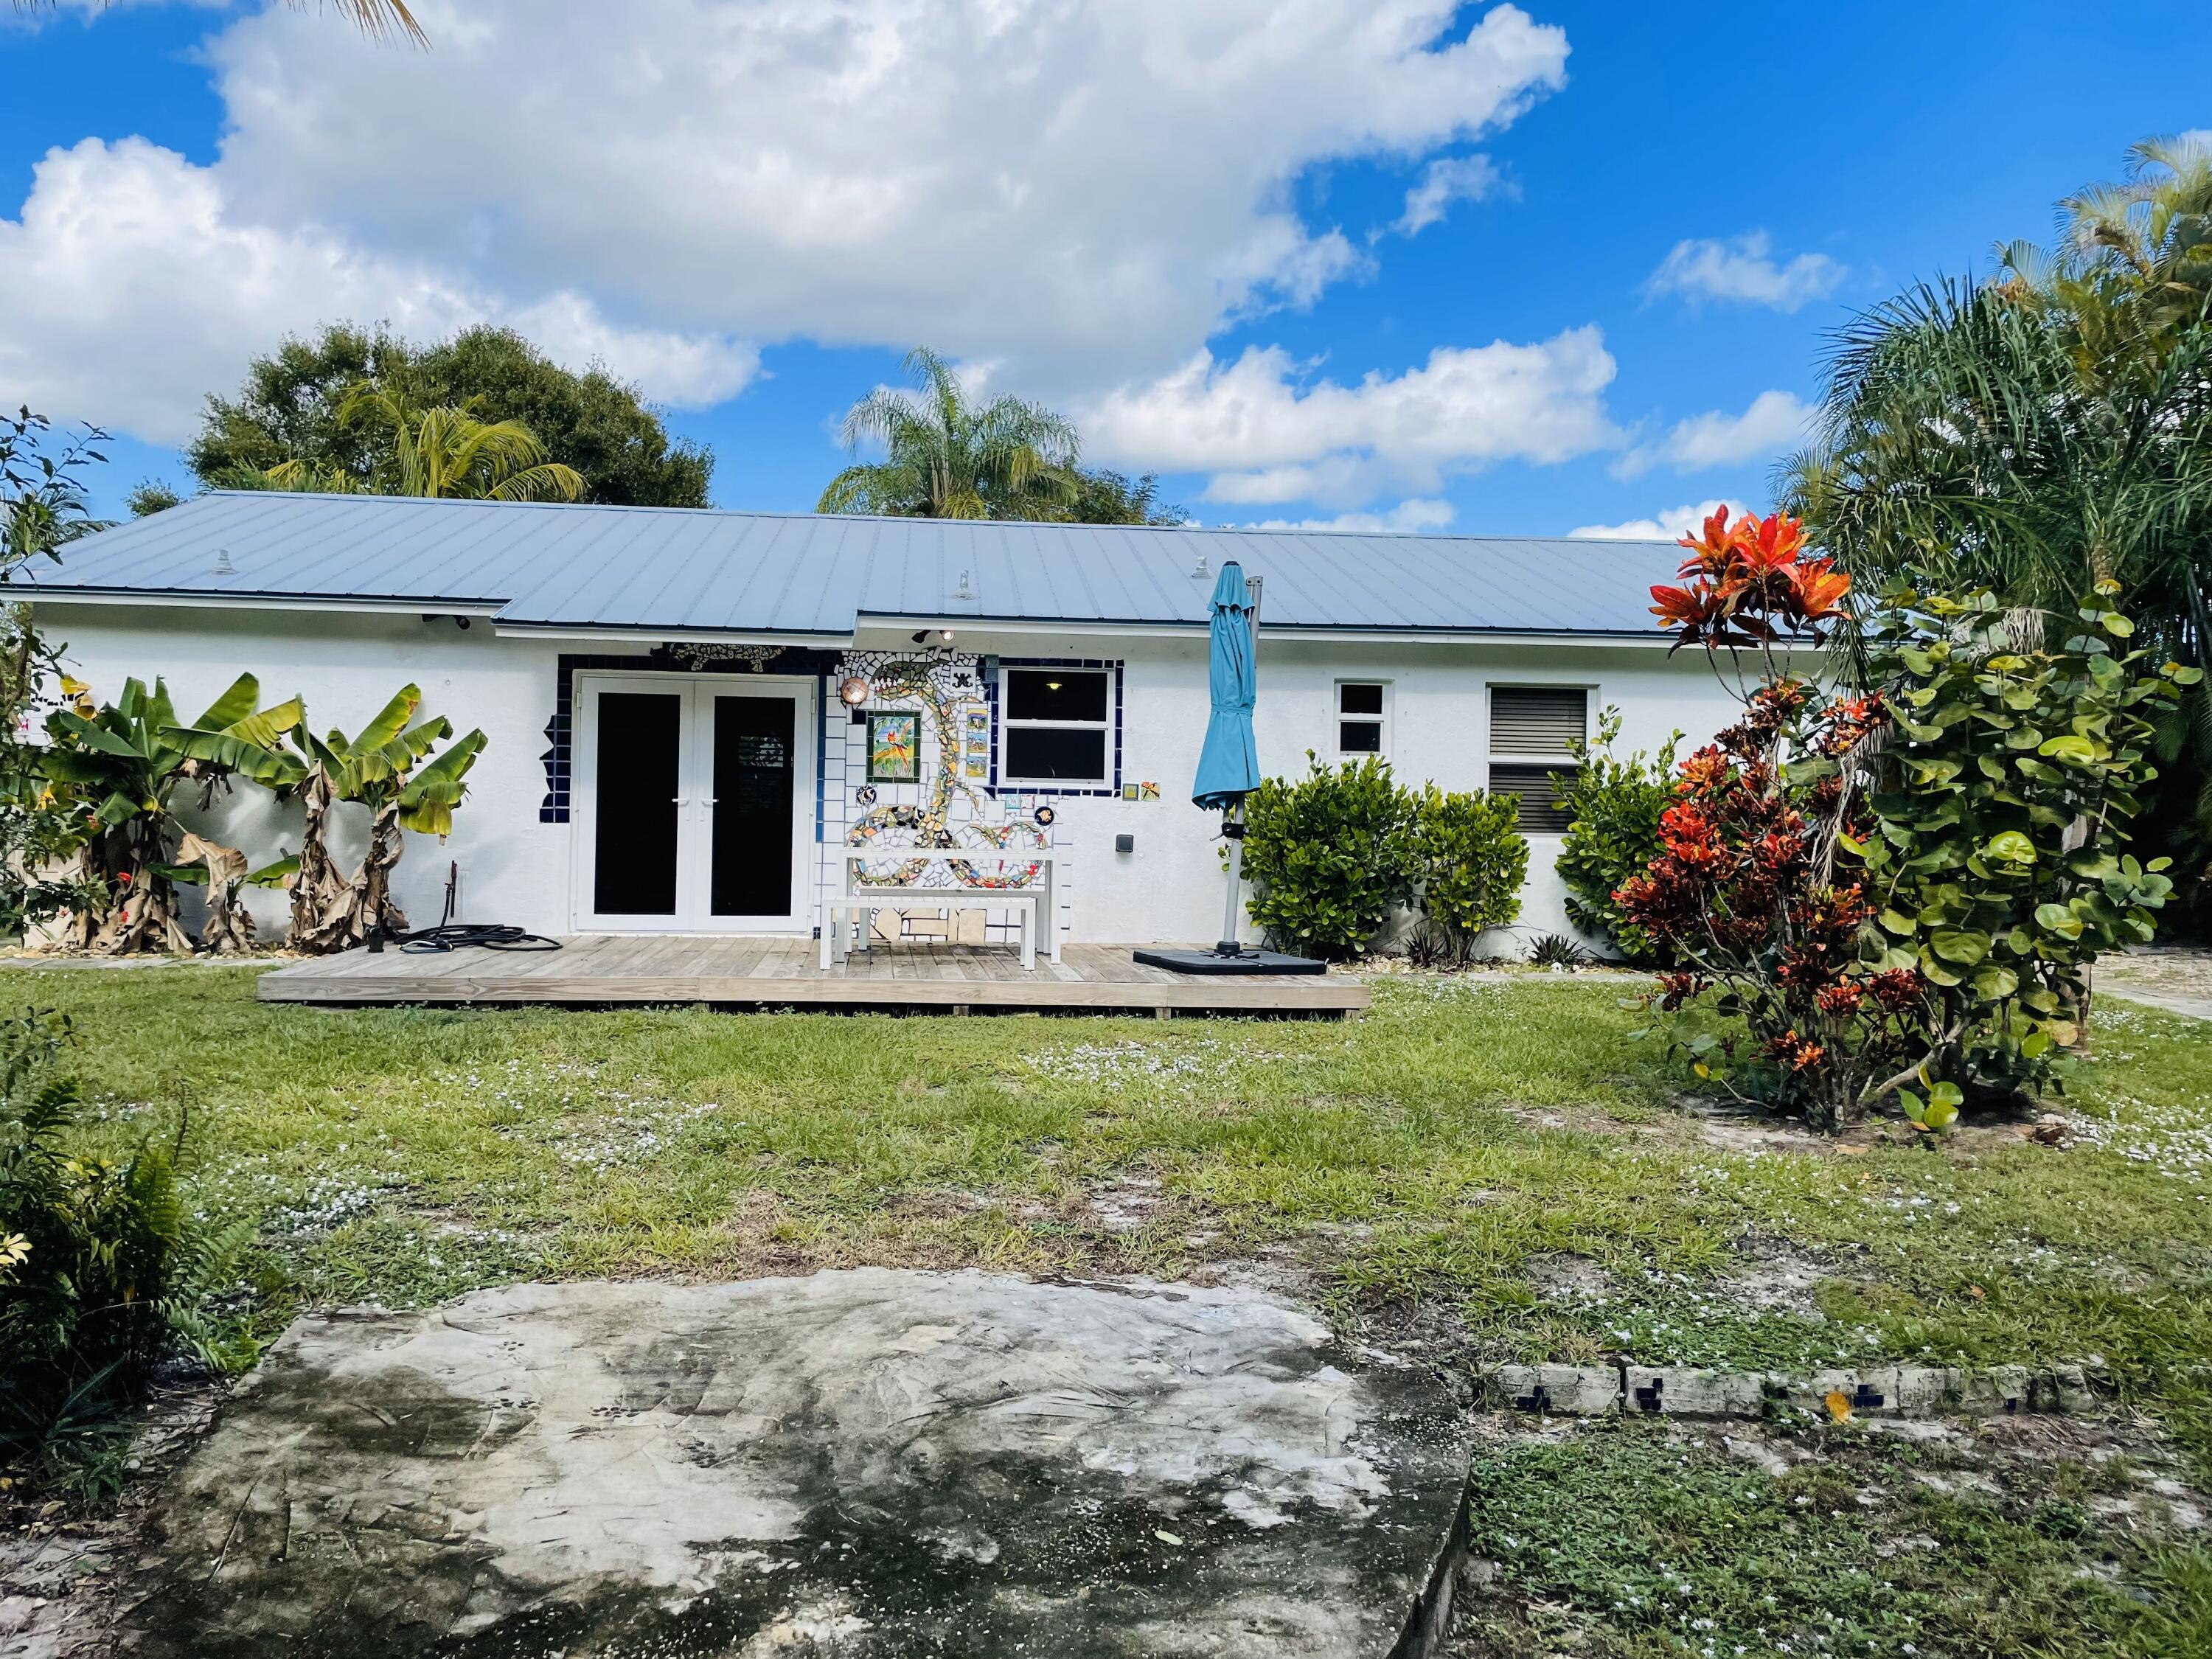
[{"x": 1244, "y": 962}]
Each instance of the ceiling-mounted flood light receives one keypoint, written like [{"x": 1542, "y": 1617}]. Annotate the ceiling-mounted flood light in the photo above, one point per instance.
[
  {"x": 944, "y": 634},
  {"x": 853, "y": 691}
]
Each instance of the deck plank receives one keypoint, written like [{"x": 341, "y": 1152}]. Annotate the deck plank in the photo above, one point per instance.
[{"x": 782, "y": 970}]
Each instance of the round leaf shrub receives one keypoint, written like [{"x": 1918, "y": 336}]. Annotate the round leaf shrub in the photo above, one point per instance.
[
  {"x": 1614, "y": 806},
  {"x": 1475, "y": 861},
  {"x": 1328, "y": 854}
]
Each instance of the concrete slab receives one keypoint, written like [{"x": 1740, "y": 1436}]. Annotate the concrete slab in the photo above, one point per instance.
[{"x": 872, "y": 1462}]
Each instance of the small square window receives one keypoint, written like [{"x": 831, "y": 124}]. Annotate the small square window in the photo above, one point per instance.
[{"x": 1362, "y": 718}]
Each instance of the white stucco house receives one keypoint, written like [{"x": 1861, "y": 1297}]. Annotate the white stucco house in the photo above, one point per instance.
[{"x": 685, "y": 708}]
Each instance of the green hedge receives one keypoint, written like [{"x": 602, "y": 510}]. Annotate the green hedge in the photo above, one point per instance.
[{"x": 1330, "y": 853}]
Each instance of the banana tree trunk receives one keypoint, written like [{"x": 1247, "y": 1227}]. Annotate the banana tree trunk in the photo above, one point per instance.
[
  {"x": 228, "y": 926},
  {"x": 142, "y": 914},
  {"x": 331, "y": 914}
]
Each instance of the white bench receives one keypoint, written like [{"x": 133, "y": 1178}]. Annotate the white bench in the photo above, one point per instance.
[{"x": 849, "y": 913}]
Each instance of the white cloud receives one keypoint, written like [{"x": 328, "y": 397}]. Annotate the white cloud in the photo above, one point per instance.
[
  {"x": 1448, "y": 179},
  {"x": 1671, "y": 525},
  {"x": 1272, "y": 438},
  {"x": 1773, "y": 420},
  {"x": 1743, "y": 270},
  {"x": 1084, "y": 190},
  {"x": 1408, "y": 518},
  {"x": 134, "y": 290},
  {"x": 1079, "y": 187}
]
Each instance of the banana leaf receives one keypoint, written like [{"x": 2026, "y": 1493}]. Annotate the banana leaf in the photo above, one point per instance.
[
  {"x": 233, "y": 706},
  {"x": 427, "y": 804}
]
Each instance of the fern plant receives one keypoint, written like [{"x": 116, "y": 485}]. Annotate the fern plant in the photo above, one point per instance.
[{"x": 104, "y": 1270}]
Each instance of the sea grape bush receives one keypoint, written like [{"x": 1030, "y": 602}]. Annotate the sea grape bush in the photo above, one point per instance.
[
  {"x": 1898, "y": 890},
  {"x": 2005, "y": 790}
]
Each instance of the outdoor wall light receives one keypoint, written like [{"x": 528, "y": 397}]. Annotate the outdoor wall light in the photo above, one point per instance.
[{"x": 853, "y": 691}]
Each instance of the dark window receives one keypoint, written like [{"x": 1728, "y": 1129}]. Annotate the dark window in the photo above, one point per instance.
[
  {"x": 1531, "y": 787},
  {"x": 1076, "y": 753},
  {"x": 1362, "y": 717},
  {"x": 1055, "y": 694},
  {"x": 634, "y": 857}
]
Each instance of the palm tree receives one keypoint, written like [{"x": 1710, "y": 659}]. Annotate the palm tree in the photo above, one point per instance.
[
  {"x": 946, "y": 458},
  {"x": 378, "y": 19},
  {"x": 443, "y": 451},
  {"x": 2047, "y": 429}
]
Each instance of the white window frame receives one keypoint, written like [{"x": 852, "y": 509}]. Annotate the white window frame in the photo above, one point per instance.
[
  {"x": 1385, "y": 718},
  {"x": 1008, "y": 778},
  {"x": 1560, "y": 762}
]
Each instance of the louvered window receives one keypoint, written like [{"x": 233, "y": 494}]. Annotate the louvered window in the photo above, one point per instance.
[{"x": 1532, "y": 731}]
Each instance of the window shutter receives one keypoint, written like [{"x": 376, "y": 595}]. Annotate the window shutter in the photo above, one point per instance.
[
  {"x": 1527, "y": 720},
  {"x": 1531, "y": 787}
]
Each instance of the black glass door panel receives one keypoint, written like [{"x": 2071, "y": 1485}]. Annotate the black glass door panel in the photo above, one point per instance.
[
  {"x": 751, "y": 858},
  {"x": 640, "y": 773}
]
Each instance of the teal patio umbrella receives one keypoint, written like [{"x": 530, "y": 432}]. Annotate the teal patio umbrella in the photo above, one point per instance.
[{"x": 1229, "y": 771}]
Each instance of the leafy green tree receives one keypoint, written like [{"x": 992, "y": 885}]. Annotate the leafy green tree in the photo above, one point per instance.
[
  {"x": 439, "y": 453},
  {"x": 946, "y": 456},
  {"x": 43, "y": 508},
  {"x": 150, "y": 496},
  {"x": 1104, "y": 496},
  {"x": 288, "y": 411}
]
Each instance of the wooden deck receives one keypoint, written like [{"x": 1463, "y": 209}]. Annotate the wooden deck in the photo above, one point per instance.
[{"x": 606, "y": 967}]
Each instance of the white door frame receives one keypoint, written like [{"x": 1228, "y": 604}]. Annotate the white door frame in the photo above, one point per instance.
[{"x": 694, "y": 842}]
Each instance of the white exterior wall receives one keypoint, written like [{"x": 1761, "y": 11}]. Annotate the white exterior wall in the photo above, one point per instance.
[{"x": 514, "y": 868}]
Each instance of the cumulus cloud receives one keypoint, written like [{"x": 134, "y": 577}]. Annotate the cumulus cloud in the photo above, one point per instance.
[
  {"x": 1269, "y": 437},
  {"x": 1072, "y": 186},
  {"x": 1415, "y": 517},
  {"x": 1671, "y": 523},
  {"x": 1773, "y": 420},
  {"x": 134, "y": 290},
  {"x": 1742, "y": 269},
  {"x": 710, "y": 174},
  {"x": 1443, "y": 181}
]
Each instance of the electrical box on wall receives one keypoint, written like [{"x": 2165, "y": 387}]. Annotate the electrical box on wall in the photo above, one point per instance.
[{"x": 1125, "y": 844}]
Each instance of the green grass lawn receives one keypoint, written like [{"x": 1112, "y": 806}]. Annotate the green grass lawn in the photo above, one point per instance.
[{"x": 1497, "y": 1163}]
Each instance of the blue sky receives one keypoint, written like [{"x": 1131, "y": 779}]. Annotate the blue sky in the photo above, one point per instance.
[{"x": 1204, "y": 231}]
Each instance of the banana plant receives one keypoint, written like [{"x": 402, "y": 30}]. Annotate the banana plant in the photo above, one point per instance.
[
  {"x": 228, "y": 925},
  {"x": 124, "y": 760},
  {"x": 387, "y": 767}
]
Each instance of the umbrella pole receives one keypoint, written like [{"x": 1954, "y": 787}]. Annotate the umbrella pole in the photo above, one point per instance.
[{"x": 1232, "y": 829}]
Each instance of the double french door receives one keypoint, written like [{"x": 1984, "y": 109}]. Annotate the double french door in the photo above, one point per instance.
[{"x": 694, "y": 802}]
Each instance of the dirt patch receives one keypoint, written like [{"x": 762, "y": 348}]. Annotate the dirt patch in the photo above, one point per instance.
[
  {"x": 1570, "y": 1280},
  {"x": 60, "y": 1569},
  {"x": 1771, "y": 1275}
]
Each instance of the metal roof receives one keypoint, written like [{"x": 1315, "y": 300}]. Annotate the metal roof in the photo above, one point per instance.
[{"x": 673, "y": 569}]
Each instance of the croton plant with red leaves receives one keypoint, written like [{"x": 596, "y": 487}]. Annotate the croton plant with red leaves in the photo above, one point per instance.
[{"x": 1901, "y": 889}]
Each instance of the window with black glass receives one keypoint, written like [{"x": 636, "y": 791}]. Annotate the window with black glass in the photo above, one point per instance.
[
  {"x": 1362, "y": 718},
  {"x": 1055, "y": 726}
]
